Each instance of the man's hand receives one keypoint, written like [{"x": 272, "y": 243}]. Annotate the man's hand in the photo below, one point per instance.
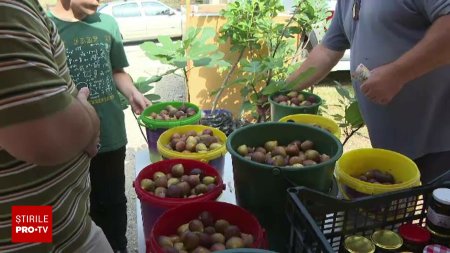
[
  {"x": 138, "y": 102},
  {"x": 93, "y": 146},
  {"x": 383, "y": 84}
]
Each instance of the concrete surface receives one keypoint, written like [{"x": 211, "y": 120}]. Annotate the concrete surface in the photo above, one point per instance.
[{"x": 169, "y": 88}]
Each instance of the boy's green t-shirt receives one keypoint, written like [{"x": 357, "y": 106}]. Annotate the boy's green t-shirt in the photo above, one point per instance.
[{"x": 94, "y": 49}]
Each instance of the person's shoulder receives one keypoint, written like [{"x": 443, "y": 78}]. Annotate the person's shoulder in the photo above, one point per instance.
[{"x": 106, "y": 17}]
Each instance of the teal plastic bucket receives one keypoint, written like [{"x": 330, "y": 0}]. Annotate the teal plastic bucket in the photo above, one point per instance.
[
  {"x": 262, "y": 188},
  {"x": 278, "y": 111},
  {"x": 154, "y": 127}
]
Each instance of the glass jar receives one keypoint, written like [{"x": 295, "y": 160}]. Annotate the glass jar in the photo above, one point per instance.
[
  {"x": 359, "y": 244},
  {"x": 438, "y": 215},
  {"x": 386, "y": 241},
  {"x": 415, "y": 237}
]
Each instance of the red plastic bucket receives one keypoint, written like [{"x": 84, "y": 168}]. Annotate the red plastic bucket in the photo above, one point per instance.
[
  {"x": 168, "y": 223},
  {"x": 152, "y": 206}
]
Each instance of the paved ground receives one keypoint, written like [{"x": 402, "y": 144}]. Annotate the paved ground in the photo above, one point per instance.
[{"x": 169, "y": 88}]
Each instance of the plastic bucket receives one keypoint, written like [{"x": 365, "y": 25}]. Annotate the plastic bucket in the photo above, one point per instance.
[
  {"x": 168, "y": 223},
  {"x": 358, "y": 161},
  {"x": 262, "y": 188},
  {"x": 152, "y": 206},
  {"x": 216, "y": 157},
  {"x": 329, "y": 124},
  {"x": 246, "y": 251},
  {"x": 154, "y": 127},
  {"x": 278, "y": 111}
]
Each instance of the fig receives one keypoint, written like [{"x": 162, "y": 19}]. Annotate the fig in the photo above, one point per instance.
[
  {"x": 258, "y": 157},
  {"x": 196, "y": 171},
  {"x": 208, "y": 132},
  {"x": 382, "y": 177},
  {"x": 298, "y": 143},
  {"x": 261, "y": 149},
  {"x": 295, "y": 101},
  {"x": 194, "y": 180},
  {"x": 158, "y": 174},
  {"x": 184, "y": 187},
  {"x": 305, "y": 103},
  {"x": 363, "y": 178},
  {"x": 201, "y": 250},
  {"x": 170, "y": 250},
  {"x": 148, "y": 184},
  {"x": 175, "y": 239},
  {"x": 306, "y": 145},
  {"x": 191, "y": 140},
  {"x": 205, "y": 240},
  {"x": 210, "y": 187},
  {"x": 234, "y": 243},
  {"x": 292, "y": 150},
  {"x": 292, "y": 94},
  {"x": 208, "y": 180},
  {"x": 201, "y": 188},
  {"x": 164, "y": 241},
  {"x": 215, "y": 146},
  {"x": 174, "y": 192},
  {"x": 312, "y": 155},
  {"x": 209, "y": 230},
  {"x": 179, "y": 114},
  {"x": 178, "y": 245},
  {"x": 184, "y": 178},
  {"x": 182, "y": 229},
  {"x": 206, "y": 218},
  {"x": 279, "y": 150},
  {"x": 221, "y": 225},
  {"x": 308, "y": 162},
  {"x": 278, "y": 160},
  {"x": 232, "y": 231},
  {"x": 218, "y": 247},
  {"x": 324, "y": 158},
  {"x": 180, "y": 146},
  {"x": 218, "y": 238},
  {"x": 161, "y": 182},
  {"x": 191, "y": 240},
  {"x": 295, "y": 160},
  {"x": 196, "y": 226},
  {"x": 177, "y": 170},
  {"x": 172, "y": 181},
  {"x": 248, "y": 240},
  {"x": 176, "y": 136},
  {"x": 160, "y": 192},
  {"x": 270, "y": 145},
  {"x": 200, "y": 147},
  {"x": 191, "y": 133}
]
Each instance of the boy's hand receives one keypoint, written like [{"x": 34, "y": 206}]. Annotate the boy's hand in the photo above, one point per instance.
[{"x": 138, "y": 102}]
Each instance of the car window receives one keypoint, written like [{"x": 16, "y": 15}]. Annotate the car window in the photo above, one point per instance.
[
  {"x": 153, "y": 9},
  {"x": 126, "y": 10}
]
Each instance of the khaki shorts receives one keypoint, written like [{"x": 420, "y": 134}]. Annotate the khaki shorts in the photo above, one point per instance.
[{"x": 96, "y": 242}]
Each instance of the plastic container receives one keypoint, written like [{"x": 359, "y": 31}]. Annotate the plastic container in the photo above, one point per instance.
[
  {"x": 168, "y": 223},
  {"x": 261, "y": 188},
  {"x": 152, "y": 206},
  {"x": 278, "y": 111},
  {"x": 154, "y": 128},
  {"x": 216, "y": 157},
  {"x": 246, "y": 251},
  {"x": 321, "y": 121},
  {"x": 358, "y": 161},
  {"x": 320, "y": 223}
]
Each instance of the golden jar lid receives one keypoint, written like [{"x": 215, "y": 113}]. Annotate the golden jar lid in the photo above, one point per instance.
[
  {"x": 359, "y": 244},
  {"x": 387, "y": 239}
]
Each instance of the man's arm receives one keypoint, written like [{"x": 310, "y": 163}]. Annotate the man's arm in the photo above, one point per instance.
[
  {"x": 41, "y": 121},
  {"x": 322, "y": 60},
  {"x": 430, "y": 53},
  {"x": 125, "y": 85}
]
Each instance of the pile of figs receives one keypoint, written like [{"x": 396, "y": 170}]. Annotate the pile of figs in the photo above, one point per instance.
[
  {"x": 194, "y": 142},
  {"x": 295, "y": 154},
  {"x": 295, "y": 98},
  {"x": 205, "y": 234},
  {"x": 178, "y": 184},
  {"x": 170, "y": 112},
  {"x": 376, "y": 176}
]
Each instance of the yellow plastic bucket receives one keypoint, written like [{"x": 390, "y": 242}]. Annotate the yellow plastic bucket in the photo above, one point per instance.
[
  {"x": 358, "y": 161},
  {"x": 323, "y": 122},
  {"x": 216, "y": 157}
]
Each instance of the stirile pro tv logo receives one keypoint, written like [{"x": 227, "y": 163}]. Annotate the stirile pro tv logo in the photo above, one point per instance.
[{"x": 31, "y": 224}]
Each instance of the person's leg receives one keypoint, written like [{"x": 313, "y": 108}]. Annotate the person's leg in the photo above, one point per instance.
[
  {"x": 96, "y": 242},
  {"x": 108, "y": 201},
  {"x": 434, "y": 165}
]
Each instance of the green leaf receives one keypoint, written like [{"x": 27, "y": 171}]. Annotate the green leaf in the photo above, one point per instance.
[
  {"x": 153, "y": 97},
  {"x": 180, "y": 62},
  {"x": 252, "y": 67},
  {"x": 271, "y": 88},
  {"x": 343, "y": 91},
  {"x": 202, "y": 62},
  {"x": 353, "y": 115},
  {"x": 167, "y": 42},
  {"x": 247, "y": 106}
]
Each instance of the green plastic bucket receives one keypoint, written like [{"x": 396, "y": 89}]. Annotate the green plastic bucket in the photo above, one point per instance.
[
  {"x": 262, "y": 188},
  {"x": 154, "y": 127},
  {"x": 278, "y": 111}
]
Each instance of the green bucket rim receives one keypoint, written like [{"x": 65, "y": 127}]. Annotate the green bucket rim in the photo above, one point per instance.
[
  {"x": 319, "y": 100},
  {"x": 277, "y": 169},
  {"x": 165, "y": 124}
]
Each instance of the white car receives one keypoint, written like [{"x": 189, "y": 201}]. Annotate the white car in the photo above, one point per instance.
[{"x": 144, "y": 19}]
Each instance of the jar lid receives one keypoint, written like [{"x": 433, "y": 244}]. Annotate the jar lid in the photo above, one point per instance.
[
  {"x": 436, "y": 248},
  {"x": 387, "y": 239},
  {"x": 360, "y": 244},
  {"x": 414, "y": 233},
  {"x": 442, "y": 195}
]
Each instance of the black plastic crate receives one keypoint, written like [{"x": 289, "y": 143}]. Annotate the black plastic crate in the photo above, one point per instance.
[{"x": 320, "y": 223}]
